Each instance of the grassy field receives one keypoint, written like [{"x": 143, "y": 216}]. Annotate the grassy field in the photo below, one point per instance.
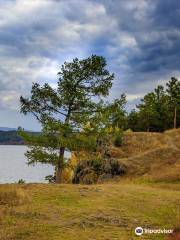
[
  {"x": 147, "y": 196},
  {"x": 69, "y": 212}
]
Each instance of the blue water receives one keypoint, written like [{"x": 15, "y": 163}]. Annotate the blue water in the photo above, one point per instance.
[{"x": 13, "y": 166}]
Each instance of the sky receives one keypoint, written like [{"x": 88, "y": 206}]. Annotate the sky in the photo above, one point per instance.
[{"x": 139, "y": 38}]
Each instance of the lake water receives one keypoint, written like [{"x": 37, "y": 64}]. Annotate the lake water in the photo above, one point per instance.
[{"x": 13, "y": 166}]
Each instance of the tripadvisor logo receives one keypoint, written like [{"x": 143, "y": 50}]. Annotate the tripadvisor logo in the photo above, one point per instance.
[{"x": 138, "y": 231}]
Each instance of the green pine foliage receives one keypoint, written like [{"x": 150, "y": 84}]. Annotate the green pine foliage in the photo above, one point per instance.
[
  {"x": 159, "y": 110},
  {"x": 76, "y": 116},
  {"x": 64, "y": 111}
]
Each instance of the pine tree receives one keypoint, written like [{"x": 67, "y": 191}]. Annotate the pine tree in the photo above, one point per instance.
[
  {"x": 63, "y": 112},
  {"x": 173, "y": 91}
]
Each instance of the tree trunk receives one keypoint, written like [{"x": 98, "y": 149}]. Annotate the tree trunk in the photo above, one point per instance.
[
  {"x": 175, "y": 116},
  {"x": 60, "y": 166},
  {"x": 61, "y": 154},
  {"x": 58, "y": 175}
]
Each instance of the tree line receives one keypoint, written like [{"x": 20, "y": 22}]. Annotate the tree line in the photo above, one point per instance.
[
  {"x": 159, "y": 110},
  {"x": 77, "y": 117}
]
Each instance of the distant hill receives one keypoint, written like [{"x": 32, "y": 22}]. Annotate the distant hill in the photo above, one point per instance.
[
  {"x": 11, "y": 137},
  {"x": 7, "y": 129}
]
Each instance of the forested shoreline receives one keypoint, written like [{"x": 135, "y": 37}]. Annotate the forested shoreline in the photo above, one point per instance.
[
  {"x": 10, "y": 138},
  {"x": 157, "y": 111}
]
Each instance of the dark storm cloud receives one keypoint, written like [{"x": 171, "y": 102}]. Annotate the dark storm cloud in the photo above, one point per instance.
[
  {"x": 155, "y": 26},
  {"x": 167, "y": 14},
  {"x": 139, "y": 38}
]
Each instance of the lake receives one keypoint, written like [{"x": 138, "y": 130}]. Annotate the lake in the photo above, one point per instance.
[{"x": 13, "y": 166}]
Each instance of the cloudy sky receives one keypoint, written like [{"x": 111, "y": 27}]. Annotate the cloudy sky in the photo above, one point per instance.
[{"x": 139, "y": 38}]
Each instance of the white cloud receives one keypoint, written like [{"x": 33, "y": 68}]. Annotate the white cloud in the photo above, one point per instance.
[
  {"x": 8, "y": 99},
  {"x": 37, "y": 36},
  {"x": 131, "y": 97}
]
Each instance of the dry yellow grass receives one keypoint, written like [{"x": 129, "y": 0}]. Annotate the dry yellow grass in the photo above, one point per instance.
[
  {"x": 135, "y": 143},
  {"x": 155, "y": 156},
  {"x": 148, "y": 196},
  {"x": 174, "y": 136},
  {"x": 98, "y": 212},
  {"x": 12, "y": 196}
]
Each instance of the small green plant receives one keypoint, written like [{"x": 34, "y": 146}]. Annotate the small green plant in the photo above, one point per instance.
[
  {"x": 50, "y": 178},
  {"x": 118, "y": 140},
  {"x": 129, "y": 130},
  {"x": 21, "y": 181},
  {"x": 96, "y": 164}
]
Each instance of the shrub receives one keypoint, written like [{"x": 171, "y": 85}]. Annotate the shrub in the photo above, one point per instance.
[
  {"x": 129, "y": 130},
  {"x": 96, "y": 164},
  {"x": 67, "y": 175},
  {"x": 89, "y": 172},
  {"x": 114, "y": 167},
  {"x": 89, "y": 177},
  {"x": 50, "y": 178},
  {"x": 21, "y": 181},
  {"x": 92, "y": 168},
  {"x": 118, "y": 141}
]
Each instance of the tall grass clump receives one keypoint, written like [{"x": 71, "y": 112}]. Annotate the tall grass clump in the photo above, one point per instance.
[{"x": 12, "y": 196}]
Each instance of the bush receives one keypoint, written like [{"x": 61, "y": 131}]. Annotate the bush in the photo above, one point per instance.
[
  {"x": 92, "y": 168},
  {"x": 50, "y": 178},
  {"x": 118, "y": 141},
  {"x": 89, "y": 177},
  {"x": 129, "y": 130},
  {"x": 114, "y": 167},
  {"x": 96, "y": 164},
  {"x": 21, "y": 181},
  {"x": 67, "y": 174},
  {"x": 89, "y": 172}
]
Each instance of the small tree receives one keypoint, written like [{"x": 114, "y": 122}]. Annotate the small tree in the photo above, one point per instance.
[
  {"x": 147, "y": 111},
  {"x": 173, "y": 91},
  {"x": 63, "y": 111},
  {"x": 153, "y": 114},
  {"x": 133, "y": 121}
]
